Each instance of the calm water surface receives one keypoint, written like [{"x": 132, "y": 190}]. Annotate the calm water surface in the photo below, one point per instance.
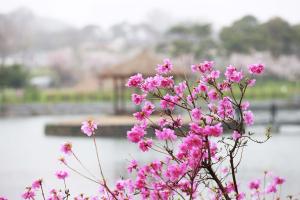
[{"x": 26, "y": 154}]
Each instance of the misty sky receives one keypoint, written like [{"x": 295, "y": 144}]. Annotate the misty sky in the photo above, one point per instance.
[{"x": 106, "y": 13}]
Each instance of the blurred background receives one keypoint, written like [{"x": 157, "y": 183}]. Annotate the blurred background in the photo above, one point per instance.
[{"x": 64, "y": 61}]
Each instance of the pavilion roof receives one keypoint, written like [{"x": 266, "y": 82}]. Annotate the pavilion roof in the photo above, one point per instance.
[{"x": 144, "y": 62}]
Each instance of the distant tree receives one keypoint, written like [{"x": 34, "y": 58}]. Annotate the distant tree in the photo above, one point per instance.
[
  {"x": 7, "y": 38},
  {"x": 195, "y": 39},
  {"x": 243, "y": 36},
  {"x": 296, "y": 40},
  {"x": 14, "y": 76},
  {"x": 278, "y": 35},
  {"x": 247, "y": 34}
]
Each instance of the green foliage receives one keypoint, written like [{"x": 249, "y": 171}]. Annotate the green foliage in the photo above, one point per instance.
[
  {"x": 184, "y": 39},
  {"x": 32, "y": 94},
  {"x": 14, "y": 76},
  {"x": 243, "y": 36},
  {"x": 247, "y": 34},
  {"x": 264, "y": 90},
  {"x": 279, "y": 36},
  {"x": 296, "y": 40}
]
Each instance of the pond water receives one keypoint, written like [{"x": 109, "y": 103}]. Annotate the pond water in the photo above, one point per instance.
[{"x": 26, "y": 154}]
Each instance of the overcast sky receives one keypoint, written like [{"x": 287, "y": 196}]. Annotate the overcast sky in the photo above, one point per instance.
[{"x": 106, "y": 13}]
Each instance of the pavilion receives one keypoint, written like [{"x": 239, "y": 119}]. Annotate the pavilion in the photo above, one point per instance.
[{"x": 145, "y": 63}]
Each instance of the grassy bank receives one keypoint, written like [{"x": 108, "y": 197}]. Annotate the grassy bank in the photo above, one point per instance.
[{"x": 264, "y": 90}]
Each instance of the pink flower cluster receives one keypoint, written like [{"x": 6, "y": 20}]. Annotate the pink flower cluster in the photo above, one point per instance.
[
  {"x": 89, "y": 127},
  {"x": 269, "y": 185},
  {"x": 190, "y": 134},
  {"x": 30, "y": 192},
  {"x": 256, "y": 68},
  {"x": 196, "y": 151},
  {"x": 61, "y": 174}
]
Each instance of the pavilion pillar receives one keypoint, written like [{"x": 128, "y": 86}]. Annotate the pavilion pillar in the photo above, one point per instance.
[
  {"x": 115, "y": 96},
  {"x": 122, "y": 95}
]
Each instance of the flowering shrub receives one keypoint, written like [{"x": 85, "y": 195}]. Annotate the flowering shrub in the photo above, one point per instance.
[{"x": 200, "y": 161}]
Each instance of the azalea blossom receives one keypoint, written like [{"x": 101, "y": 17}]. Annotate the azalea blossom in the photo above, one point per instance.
[
  {"x": 196, "y": 114},
  {"x": 37, "y": 184},
  {"x": 256, "y": 68},
  {"x": 255, "y": 184},
  {"x": 89, "y": 127},
  {"x": 145, "y": 145},
  {"x": 197, "y": 160},
  {"x": 206, "y": 66},
  {"x": 61, "y": 174},
  {"x": 236, "y": 135},
  {"x": 164, "y": 68},
  {"x": 165, "y": 134},
  {"x": 137, "y": 99},
  {"x": 248, "y": 117},
  {"x": 66, "y": 148},
  {"x": 28, "y": 194},
  {"x": 135, "y": 80}
]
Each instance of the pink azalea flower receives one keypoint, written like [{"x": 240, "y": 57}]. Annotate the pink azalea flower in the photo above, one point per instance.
[
  {"x": 120, "y": 185},
  {"x": 151, "y": 83},
  {"x": 233, "y": 75},
  {"x": 230, "y": 187},
  {"x": 135, "y": 81},
  {"x": 145, "y": 145},
  {"x": 148, "y": 108},
  {"x": 196, "y": 114},
  {"x": 254, "y": 185},
  {"x": 179, "y": 89},
  {"x": 55, "y": 195},
  {"x": 241, "y": 196},
  {"x": 206, "y": 66},
  {"x": 164, "y": 68},
  {"x": 202, "y": 87},
  {"x": 212, "y": 95},
  {"x": 196, "y": 129},
  {"x": 133, "y": 165},
  {"x": 193, "y": 140},
  {"x": 88, "y": 127},
  {"x": 251, "y": 82},
  {"x": 278, "y": 180},
  {"x": 3, "y": 198},
  {"x": 28, "y": 194},
  {"x": 245, "y": 105},
  {"x": 168, "y": 102},
  {"x": 175, "y": 171},
  {"x": 215, "y": 130},
  {"x": 256, "y": 68},
  {"x": 140, "y": 116},
  {"x": 137, "y": 99},
  {"x": 215, "y": 74},
  {"x": 248, "y": 117},
  {"x": 271, "y": 188},
  {"x": 136, "y": 133},
  {"x": 178, "y": 122},
  {"x": 224, "y": 86},
  {"x": 167, "y": 82},
  {"x": 225, "y": 108},
  {"x": 165, "y": 134},
  {"x": 66, "y": 148},
  {"x": 236, "y": 135},
  {"x": 61, "y": 174},
  {"x": 162, "y": 122},
  {"x": 36, "y": 184}
]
